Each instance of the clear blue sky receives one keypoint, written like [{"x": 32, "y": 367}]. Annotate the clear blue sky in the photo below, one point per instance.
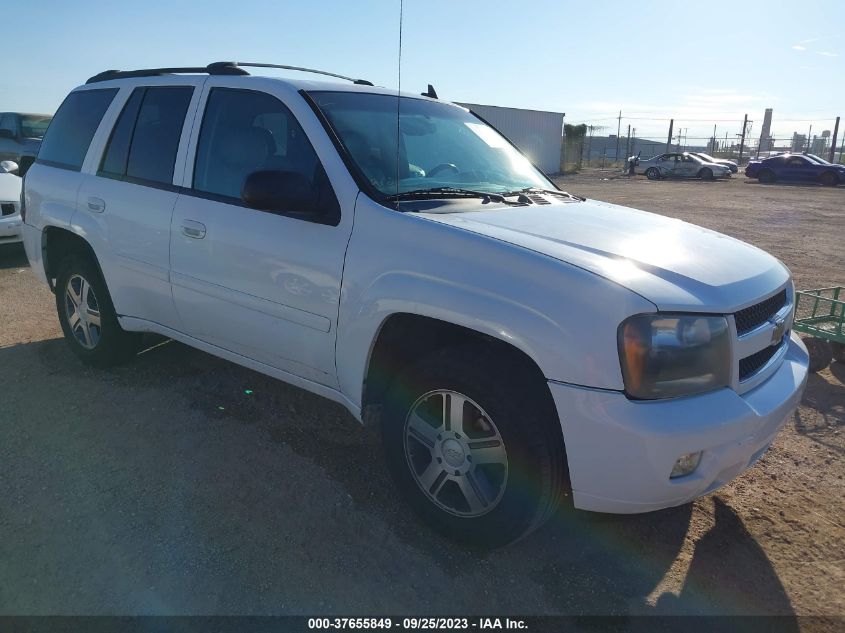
[{"x": 690, "y": 60}]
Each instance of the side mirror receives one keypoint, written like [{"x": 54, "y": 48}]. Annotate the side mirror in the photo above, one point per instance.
[
  {"x": 281, "y": 191},
  {"x": 8, "y": 166},
  {"x": 4, "y": 133}
]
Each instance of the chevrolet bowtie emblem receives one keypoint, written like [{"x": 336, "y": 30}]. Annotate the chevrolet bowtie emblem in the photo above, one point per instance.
[{"x": 777, "y": 333}]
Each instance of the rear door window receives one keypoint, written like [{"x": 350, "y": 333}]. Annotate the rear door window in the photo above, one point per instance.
[
  {"x": 117, "y": 150},
  {"x": 152, "y": 152},
  {"x": 145, "y": 139},
  {"x": 71, "y": 130}
]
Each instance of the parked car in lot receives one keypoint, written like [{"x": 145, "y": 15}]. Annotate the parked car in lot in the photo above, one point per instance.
[
  {"x": 519, "y": 345},
  {"x": 796, "y": 167},
  {"x": 10, "y": 200},
  {"x": 707, "y": 158},
  {"x": 20, "y": 137},
  {"x": 680, "y": 165}
]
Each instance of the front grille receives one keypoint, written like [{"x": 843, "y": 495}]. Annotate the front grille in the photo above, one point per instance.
[
  {"x": 750, "y": 365},
  {"x": 7, "y": 208},
  {"x": 749, "y": 318}
]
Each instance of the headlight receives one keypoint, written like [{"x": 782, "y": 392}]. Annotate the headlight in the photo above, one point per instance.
[{"x": 670, "y": 355}]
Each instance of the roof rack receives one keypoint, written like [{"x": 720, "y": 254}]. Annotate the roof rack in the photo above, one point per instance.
[
  {"x": 215, "y": 68},
  {"x": 360, "y": 82}
]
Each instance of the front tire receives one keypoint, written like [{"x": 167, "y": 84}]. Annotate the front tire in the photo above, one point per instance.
[
  {"x": 474, "y": 446},
  {"x": 652, "y": 173},
  {"x": 87, "y": 315},
  {"x": 706, "y": 174},
  {"x": 766, "y": 176}
]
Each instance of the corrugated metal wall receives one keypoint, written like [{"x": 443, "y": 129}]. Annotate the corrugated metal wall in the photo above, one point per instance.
[{"x": 537, "y": 133}]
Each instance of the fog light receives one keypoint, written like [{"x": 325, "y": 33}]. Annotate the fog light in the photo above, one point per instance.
[{"x": 685, "y": 464}]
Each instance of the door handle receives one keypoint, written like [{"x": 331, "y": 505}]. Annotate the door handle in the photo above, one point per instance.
[
  {"x": 193, "y": 229},
  {"x": 97, "y": 205}
]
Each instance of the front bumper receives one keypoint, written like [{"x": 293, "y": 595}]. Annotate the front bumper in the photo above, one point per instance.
[
  {"x": 621, "y": 451},
  {"x": 11, "y": 229}
]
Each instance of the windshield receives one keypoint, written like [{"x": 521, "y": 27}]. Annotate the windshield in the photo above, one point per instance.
[
  {"x": 706, "y": 157},
  {"x": 439, "y": 145},
  {"x": 34, "y": 126}
]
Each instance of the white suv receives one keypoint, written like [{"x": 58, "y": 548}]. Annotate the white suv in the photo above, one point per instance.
[{"x": 517, "y": 344}]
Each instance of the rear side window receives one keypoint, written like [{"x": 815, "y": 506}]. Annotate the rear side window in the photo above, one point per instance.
[
  {"x": 71, "y": 130},
  {"x": 145, "y": 139}
]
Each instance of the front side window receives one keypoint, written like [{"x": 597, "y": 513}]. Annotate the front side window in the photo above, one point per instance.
[
  {"x": 70, "y": 132},
  {"x": 244, "y": 131},
  {"x": 432, "y": 145}
]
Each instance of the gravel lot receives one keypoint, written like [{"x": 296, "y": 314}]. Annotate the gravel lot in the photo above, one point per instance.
[{"x": 163, "y": 487}]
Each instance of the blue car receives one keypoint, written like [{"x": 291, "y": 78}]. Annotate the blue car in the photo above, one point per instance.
[{"x": 796, "y": 167}]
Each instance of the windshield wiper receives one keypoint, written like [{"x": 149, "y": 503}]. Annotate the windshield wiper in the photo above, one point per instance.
[
  {"x": 447, "y": 192},
  {"x": 553, "y": 192}
]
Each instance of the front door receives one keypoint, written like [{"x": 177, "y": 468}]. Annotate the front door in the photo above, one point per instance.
[{"x": 264, "y": 285}]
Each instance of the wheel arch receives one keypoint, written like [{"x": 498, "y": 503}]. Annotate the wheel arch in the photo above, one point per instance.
[
  {"x": 57, "y": 243},
  {"x": 404, "y": 337}
]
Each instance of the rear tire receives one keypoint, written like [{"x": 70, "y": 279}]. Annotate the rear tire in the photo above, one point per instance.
[
  {"x": 87, "y": 315},
  {"x": 652, "y": 173},
  {"x": 820, "y": 352},
  {"x": 766, "y": 176},
  {"x": 829, "y": 179},
  {"x": 838, "y": 350},
  {"x": 485, "y": 438}
]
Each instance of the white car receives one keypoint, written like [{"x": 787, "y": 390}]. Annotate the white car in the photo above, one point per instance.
[
  {"x": 10, "y": 202},
  {"x": 680, "y": 165},
  {"x": 707, "y": 158},
  {"x": 517, "y": 344}
]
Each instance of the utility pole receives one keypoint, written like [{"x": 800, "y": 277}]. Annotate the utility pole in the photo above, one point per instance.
[
  {"x": 628, "y": 143},
  {"x": 842, "y": 149},
  {"x": 669, "y": 138},
  {"x": 809, "y": 136},
  {"x": 713, "y": 144},
  {"x": 833, "y": 140},
  {"x": 742, "y": 141},
  {"x": 618, "y": 132},
  {"x": 590, "y": 146}
]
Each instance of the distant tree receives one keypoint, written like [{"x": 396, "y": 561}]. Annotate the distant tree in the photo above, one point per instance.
[{"x": 575, "y": 132}]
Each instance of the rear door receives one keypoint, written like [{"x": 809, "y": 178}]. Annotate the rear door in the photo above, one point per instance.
[
  {"x": 128, "y": 201},
  {"x": 264, "y": 285}
]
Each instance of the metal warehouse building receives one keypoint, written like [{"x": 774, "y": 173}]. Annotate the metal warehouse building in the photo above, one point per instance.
[{"x": 537, "y": 133}]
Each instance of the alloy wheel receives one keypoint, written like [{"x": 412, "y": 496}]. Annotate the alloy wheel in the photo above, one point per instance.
[
  {"x": 455, "y": 453},
  {"x": 82, "y": 311}
]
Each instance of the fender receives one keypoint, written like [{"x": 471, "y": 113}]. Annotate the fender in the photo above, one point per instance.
[{"x": 563, "y": 317}]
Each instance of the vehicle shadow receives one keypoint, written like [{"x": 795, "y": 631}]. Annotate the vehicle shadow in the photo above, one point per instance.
[
  {"x": 578, "y": 564},
  {"x": 786, "y": 183},
  {"x": 586, "y": 563},
  {"x": 12, "y": 256},
  {"x": 828, "y": 399}
]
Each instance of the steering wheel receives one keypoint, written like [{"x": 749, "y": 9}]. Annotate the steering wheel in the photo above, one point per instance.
[{"x": 441, "y": 167}]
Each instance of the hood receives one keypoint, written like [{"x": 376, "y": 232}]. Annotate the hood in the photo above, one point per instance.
[{"x": 673, "y": 264}]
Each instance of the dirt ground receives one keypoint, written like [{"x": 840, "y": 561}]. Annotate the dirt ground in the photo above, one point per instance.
[{"x": 183, "y": 484}]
